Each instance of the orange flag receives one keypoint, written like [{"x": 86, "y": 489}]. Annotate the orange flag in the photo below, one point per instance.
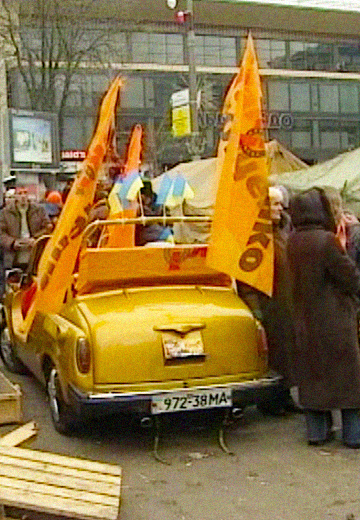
[
  {"x": 134, "y": 151},
  {"x": 241, "y": 243},
  {"x": 58, "y": 259},
  {"x": 124, "y": 236}
]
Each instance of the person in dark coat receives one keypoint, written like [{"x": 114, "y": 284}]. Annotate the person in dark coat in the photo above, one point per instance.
[
  {"x": 274, "y": 312},
  {"x": 325, "y": 286}
]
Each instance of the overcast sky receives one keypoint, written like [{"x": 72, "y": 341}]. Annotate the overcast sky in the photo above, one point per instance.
[{"x": 343, "y": 5}]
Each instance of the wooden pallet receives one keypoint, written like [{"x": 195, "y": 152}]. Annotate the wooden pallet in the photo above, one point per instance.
[
  {"x": 10, "y": 401},
  {"x": 59, "y": 485}
]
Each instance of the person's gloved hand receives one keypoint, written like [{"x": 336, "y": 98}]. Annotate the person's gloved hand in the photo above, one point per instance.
[{"x": 258, "y": 314}]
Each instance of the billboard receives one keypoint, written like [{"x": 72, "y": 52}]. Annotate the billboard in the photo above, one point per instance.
[{"x": 34, "y": 139}]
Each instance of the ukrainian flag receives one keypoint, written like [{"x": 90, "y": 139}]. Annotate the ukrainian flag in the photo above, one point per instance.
[
  {"x": 114, "y": 199},
  {"x": 172, "y": 192},
  {"x": 130, "y": 187}
]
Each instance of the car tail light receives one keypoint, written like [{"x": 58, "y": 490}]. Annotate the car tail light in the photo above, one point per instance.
[
  {"x": 262, "y": 344},
  {"x": 83, "y": 355}
]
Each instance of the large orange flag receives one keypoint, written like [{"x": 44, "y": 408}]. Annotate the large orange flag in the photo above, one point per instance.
[
  {"x": 241, "y": 243},
  {"x": 58, "y": 259},
  {"x": 124, "y": 236}
]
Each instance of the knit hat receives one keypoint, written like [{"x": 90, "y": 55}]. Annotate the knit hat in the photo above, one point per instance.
[{"x": 54, "y": 197}]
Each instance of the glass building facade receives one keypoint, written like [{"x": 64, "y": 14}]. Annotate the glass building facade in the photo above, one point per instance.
[{"x": 311, "y": 88}]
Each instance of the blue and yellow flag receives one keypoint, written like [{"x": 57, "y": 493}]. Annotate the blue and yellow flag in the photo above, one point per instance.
[
  {"x": 173, "y": 192},
  {"x": 241, "y": 243},
  {"x": 58, "y": 259}
]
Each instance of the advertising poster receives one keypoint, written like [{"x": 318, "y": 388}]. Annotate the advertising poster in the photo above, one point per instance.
[{"x": 31, "y": 140}]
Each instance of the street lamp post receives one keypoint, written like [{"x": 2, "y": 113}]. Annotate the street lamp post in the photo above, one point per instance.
[
  {"x": 190, "y": 43},
  {"x": 195, "y": 144}
]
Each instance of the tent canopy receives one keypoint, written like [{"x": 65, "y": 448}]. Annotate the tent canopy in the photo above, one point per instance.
[
  {"x": 203, "y": 178},
  {"x": 342, "y": 173}
]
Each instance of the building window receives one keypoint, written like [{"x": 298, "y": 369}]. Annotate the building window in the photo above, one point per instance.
[
  {"x": 329, "y": 140},
  {"x": 329, "y": 98},
  {"x": 278, "y": 95},
  {"x": 330, "y": 134},
  {"x": 270, "y": 53},
  {"x": 349, "y": 99},
  {"x": 300, "y": 97},
  {"x": 297, "y": 56},
  {"x": 301, "y": 139},
  {"x": 347, "y": 57},
  {"x": 215, "y": 51},
  {"x": 349, "y": 134},
  {"x": 133, "y": 93},
  {"x": 118, "y": 48},
  {"x": 157, "y": 48},
  {"x": 301, "y": 135}
]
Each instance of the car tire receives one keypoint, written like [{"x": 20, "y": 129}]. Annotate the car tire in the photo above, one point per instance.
[
  {"x": 62, "y": 415},
  {"x": 10, "y": 359}
]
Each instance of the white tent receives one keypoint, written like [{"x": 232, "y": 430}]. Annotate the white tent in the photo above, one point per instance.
[
  {"x": 203, "y": 179},
  {"x": 342, "y": 173}
]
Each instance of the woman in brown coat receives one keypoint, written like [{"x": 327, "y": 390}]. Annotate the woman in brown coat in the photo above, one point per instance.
[{"x": 325, "y": 286}]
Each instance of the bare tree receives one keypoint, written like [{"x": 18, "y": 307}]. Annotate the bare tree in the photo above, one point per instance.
[{"x": 51, "y": 40}]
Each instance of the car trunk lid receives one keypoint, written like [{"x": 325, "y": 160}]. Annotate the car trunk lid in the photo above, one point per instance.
[{"x": 169, "y": 333}]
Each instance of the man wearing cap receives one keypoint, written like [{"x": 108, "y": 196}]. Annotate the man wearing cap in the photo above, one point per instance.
[{"x": 21, "y": 222}]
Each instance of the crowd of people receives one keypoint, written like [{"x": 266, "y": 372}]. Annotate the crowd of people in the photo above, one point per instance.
[{"x": 311, "y": 319}]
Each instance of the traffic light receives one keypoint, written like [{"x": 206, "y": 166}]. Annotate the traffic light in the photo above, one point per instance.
[{"x": 182, "y": 17}]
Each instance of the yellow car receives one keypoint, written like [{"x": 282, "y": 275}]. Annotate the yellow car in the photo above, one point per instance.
[{"x": 147, "y": 330}]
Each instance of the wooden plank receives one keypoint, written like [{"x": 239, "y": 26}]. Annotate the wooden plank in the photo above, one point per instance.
[
  {"x": 21, "y": 434},
  {"x": 10, "y": 401},
  {"x": 59, "y": 485},
  {"x": 62, "y": 460},
  {"x": 57, "y": 505},
  {"x": 52, "y": 470},
  {"x": 47, "y": 477},
  {"x": 91, "y": 496}
]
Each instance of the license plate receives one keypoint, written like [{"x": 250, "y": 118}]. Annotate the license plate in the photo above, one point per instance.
[
  {"x": 191, "y": 400},
  {"x": 176, "y": 346}
]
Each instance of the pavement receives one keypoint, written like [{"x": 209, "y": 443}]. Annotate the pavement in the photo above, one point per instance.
[{"x": 272, "y": 475}]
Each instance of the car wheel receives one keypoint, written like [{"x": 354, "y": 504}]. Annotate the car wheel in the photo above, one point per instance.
[
  {"x": 10, "y": 359},
  {"x": 62, "y": 415}
]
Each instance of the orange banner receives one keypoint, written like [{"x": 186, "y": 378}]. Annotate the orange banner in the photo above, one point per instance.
[
  {"x": 124, "y": 236},
  {"x": 58, "y": 259},
  {"x": 241, "y": 243}
]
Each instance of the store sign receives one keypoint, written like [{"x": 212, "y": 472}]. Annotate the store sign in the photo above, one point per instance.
[
  {"x": 73, "y": 155},
  {"x": 278, "y": 120},
  {"x": 271, "y": 120}
]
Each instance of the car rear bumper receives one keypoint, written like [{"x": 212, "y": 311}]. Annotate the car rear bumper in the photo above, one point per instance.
[{"x": 243, "y": 394}]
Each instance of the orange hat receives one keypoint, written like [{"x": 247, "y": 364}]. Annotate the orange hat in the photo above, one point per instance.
[{"x": 54, "y": 197}]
